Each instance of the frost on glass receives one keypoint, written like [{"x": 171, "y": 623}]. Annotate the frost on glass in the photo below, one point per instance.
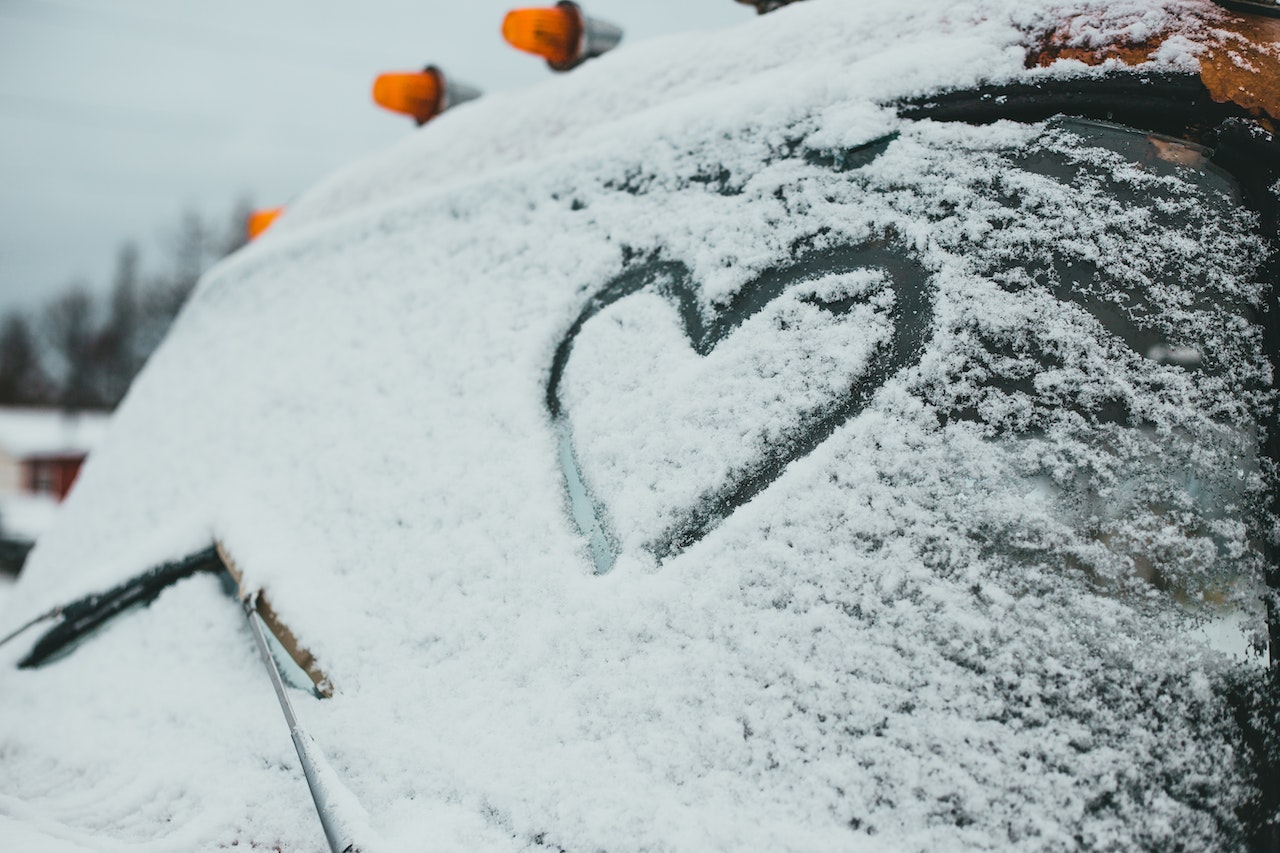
[
  {"x": 1112, "y": 356},
  {"x": 767, "y": 377},
  {"x": 1085, "y": 386}
]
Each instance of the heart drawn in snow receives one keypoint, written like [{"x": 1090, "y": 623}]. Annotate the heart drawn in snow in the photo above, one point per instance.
[{"x": 667, "y": 425}]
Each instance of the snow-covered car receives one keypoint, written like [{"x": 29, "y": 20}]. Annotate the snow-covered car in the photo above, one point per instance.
[{"x": 851, "y": 430}]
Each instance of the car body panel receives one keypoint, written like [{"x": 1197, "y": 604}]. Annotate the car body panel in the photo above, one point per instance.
[{"x": 884, "y": 647}]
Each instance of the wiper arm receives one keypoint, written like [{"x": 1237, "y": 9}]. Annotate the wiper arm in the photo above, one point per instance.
[
  {"x": 34, "y": 620},
  {"x": 85, "y": 614},
  {"x": 340, "y": 814},
  {"x": 326, "y": 791}
]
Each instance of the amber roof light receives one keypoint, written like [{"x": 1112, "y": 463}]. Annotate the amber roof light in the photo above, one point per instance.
[
  {"x": 421, "y": 95},
  {"x": 260, "y": 220},
  {"x": 560, "y": 34},
  {"x": 765, "y": 6}
]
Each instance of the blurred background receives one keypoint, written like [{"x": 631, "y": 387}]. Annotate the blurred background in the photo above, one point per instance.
[{"x": 136, "y": 136}]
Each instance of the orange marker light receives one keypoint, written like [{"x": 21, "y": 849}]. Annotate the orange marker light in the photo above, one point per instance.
[
  {"x": 422, "y": 95},
  {"x": 765, "y": 6},
  {"x": 555, "y": 34},
  {"x": 413, "y": 93},
  {"x": 260, "y": 220},
  {"x": 561, "y": 34}
]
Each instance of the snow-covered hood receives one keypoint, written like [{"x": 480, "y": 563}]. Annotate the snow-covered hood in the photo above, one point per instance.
[{"x": 382, "y": 408}]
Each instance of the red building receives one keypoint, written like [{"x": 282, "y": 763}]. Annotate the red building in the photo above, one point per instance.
[
  {"x": 41, "y": 452},
  {"x": 51, "y": 474}
]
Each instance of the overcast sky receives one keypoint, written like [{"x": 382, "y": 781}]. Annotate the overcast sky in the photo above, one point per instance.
[{"x": 116, "y": 115}]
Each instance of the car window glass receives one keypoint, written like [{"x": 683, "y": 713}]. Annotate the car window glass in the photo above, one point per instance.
[{"x": 1085, "y": 367}]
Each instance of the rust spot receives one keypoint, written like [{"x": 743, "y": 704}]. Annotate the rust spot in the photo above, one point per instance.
[
  {"x": 1128, "y": 54},
  {"x": 1239, "y": 57},
  {"x": 1243, "y": 65}
]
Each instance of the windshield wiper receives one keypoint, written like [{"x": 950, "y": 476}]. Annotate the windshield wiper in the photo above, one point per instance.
[
  {"x": 339, "y": 812},
  {"x": 82, "y": 616}
]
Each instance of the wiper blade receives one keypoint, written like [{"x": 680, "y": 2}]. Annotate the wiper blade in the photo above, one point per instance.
[
  {"x": 83, "y": 615},
  {"x": 340, "y": 814}
]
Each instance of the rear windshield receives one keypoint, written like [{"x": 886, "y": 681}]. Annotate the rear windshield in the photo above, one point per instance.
[{"x": 1046, "y": 337}]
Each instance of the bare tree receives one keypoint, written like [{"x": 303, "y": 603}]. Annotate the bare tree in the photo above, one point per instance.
[
  {"x": 118, "y": 346},
  {"x": 23, "y": 381},
  {"x": 95, "y": 350},
  {"x": 236, "y": 235},
  {"x": 124, "y": 286},
  {"x": 190, "y": 250},
  {"x": 69, "y": 327}
]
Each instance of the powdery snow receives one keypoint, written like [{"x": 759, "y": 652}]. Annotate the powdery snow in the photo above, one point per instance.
[
  {"x": 934, "y": 630},
  {"x": 25, "y": 517},
  {"x": 39, "y": 432}
]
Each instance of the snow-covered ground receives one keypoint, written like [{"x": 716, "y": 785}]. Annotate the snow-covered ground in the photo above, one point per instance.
[{"x": 906, "y": 529}]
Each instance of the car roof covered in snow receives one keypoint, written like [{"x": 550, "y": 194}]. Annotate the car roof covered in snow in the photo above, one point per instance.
[{"x": 357, "y": 408}]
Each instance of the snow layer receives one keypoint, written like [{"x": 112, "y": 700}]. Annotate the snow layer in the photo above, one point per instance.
[
  {"x": 933, "y": 631},
  {"x": 26, "y": 517},
  {"x": 37, "y": 432}
]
